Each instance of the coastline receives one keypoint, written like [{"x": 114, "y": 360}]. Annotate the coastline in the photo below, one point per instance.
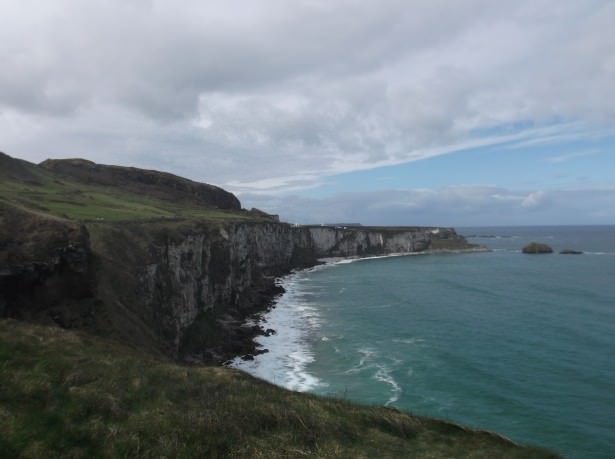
[
  {"x": 284, "y": 352},
  {"x": 333, "y": 260},
  {"x": 279, "y": 348}
]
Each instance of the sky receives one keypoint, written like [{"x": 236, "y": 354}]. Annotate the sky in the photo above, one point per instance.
[{"x": 413, "y": 112}]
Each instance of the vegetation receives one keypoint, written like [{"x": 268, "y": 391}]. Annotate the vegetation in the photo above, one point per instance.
[
  {"x": 67, "y": 394},
  {"x": 537, "y": 247},
  {"x": 46, "y": 191}
]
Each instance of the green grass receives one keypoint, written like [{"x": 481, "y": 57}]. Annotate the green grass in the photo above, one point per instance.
[
  {"x": 67, "y": 394},
  {"x": 76, "y": 201}
]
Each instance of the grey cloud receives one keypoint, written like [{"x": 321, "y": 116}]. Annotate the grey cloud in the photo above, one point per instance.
[{"x": 275, "y": 92}]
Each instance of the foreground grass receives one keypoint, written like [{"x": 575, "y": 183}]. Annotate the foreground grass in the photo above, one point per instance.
[{"x": 65, "y": 394}]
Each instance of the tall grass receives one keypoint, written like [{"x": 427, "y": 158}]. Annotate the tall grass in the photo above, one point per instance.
[{"x": 66, "y": 394}]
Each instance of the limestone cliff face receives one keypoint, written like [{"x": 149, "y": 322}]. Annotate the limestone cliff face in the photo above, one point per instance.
[
  {"x": 207, "y": 281},
  {"x": 358, "y": 241},
  {"x": 182, "y": 288},
  {"x": 200, "y": 287}
]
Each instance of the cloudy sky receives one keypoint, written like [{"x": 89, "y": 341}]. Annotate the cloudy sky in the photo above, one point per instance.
[{"x": 383, "y": 112}]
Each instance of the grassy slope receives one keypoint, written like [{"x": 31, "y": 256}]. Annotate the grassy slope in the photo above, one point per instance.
[
  {"x": 71, "y": 395},
  {"x": 38, "y": 189}
]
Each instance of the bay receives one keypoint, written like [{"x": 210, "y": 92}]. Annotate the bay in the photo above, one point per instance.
[{"x": 520, "y": 344}]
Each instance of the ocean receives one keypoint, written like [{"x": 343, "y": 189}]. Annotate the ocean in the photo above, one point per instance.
[{"x": 523, "y": 345}]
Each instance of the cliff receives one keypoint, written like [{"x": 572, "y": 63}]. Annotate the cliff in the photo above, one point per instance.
[
  {"x": 180, "y": 285},
  {"x": 164, "y": 269}
]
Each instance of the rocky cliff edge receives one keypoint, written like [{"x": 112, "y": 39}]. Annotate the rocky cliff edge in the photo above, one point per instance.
[{"x": 180, "y": 286}]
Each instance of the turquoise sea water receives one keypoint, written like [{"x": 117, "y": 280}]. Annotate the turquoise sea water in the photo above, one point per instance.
[{"x": 520, "y": 344}]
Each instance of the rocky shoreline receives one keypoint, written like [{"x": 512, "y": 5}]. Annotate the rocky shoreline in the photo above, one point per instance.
[{"x": 245, "y": 330}]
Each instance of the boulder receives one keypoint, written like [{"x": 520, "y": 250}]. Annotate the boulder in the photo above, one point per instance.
[{"x": 537, "y": 247}]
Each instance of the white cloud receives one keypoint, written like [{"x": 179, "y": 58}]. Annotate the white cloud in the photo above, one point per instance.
[
  {"x": 274, "y": 94},
  {"x": 534, "y": 199},
  {"x": 454, "y": 206},
  {"x": 576, "y": 154}
]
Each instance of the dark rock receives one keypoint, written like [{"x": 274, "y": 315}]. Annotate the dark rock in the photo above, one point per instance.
[
  {"x": 536, "y": 248},
  {"x": 570, "y": 252}
]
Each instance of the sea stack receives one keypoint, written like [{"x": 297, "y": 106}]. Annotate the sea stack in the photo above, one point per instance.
[{"x": 537, "y": 247}]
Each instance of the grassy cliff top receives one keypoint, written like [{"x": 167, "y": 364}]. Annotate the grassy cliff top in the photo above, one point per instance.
[
  {"x": 66, "y": 394},
  {"x": 77, "y": 189}
]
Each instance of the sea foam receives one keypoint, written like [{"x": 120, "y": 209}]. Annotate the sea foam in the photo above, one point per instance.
[{"x": 295, "y": 322}]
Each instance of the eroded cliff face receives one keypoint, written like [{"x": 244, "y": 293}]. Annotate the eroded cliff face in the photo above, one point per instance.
[
  {"x": 200, "y": 287},
  {"x": 358, "y": 241},
  {"x": 183, "y": 288}
]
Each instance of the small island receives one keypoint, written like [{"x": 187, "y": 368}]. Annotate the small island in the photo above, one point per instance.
[{"x": 537, "y": 247}]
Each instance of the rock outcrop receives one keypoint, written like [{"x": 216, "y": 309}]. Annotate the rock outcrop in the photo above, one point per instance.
[{"x": 537, "y": 248}]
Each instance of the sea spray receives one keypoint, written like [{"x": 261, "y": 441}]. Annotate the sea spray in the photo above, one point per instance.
[{"x": 295, "y": 321}]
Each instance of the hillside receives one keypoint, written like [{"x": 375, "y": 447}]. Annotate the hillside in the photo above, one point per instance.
[
  {"x": 77, "y": 189},
  {"x": 67, "y": 394}
]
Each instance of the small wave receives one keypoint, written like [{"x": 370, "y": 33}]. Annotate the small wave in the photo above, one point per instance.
[
  {"x": 296, "y": 377},
  {"x": 408, "y": 340},
  {"x": 326, "y": 263},
  {"x": 296, "y": 321},
  {"x": 382, "y": 306},
  {"x": 366, "y": 355},
  {"x": 384, "y": 374},
  {"x": 344, "y": 262}
]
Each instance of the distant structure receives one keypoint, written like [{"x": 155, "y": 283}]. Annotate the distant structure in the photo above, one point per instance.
[{"x": 341, "y": 224}]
